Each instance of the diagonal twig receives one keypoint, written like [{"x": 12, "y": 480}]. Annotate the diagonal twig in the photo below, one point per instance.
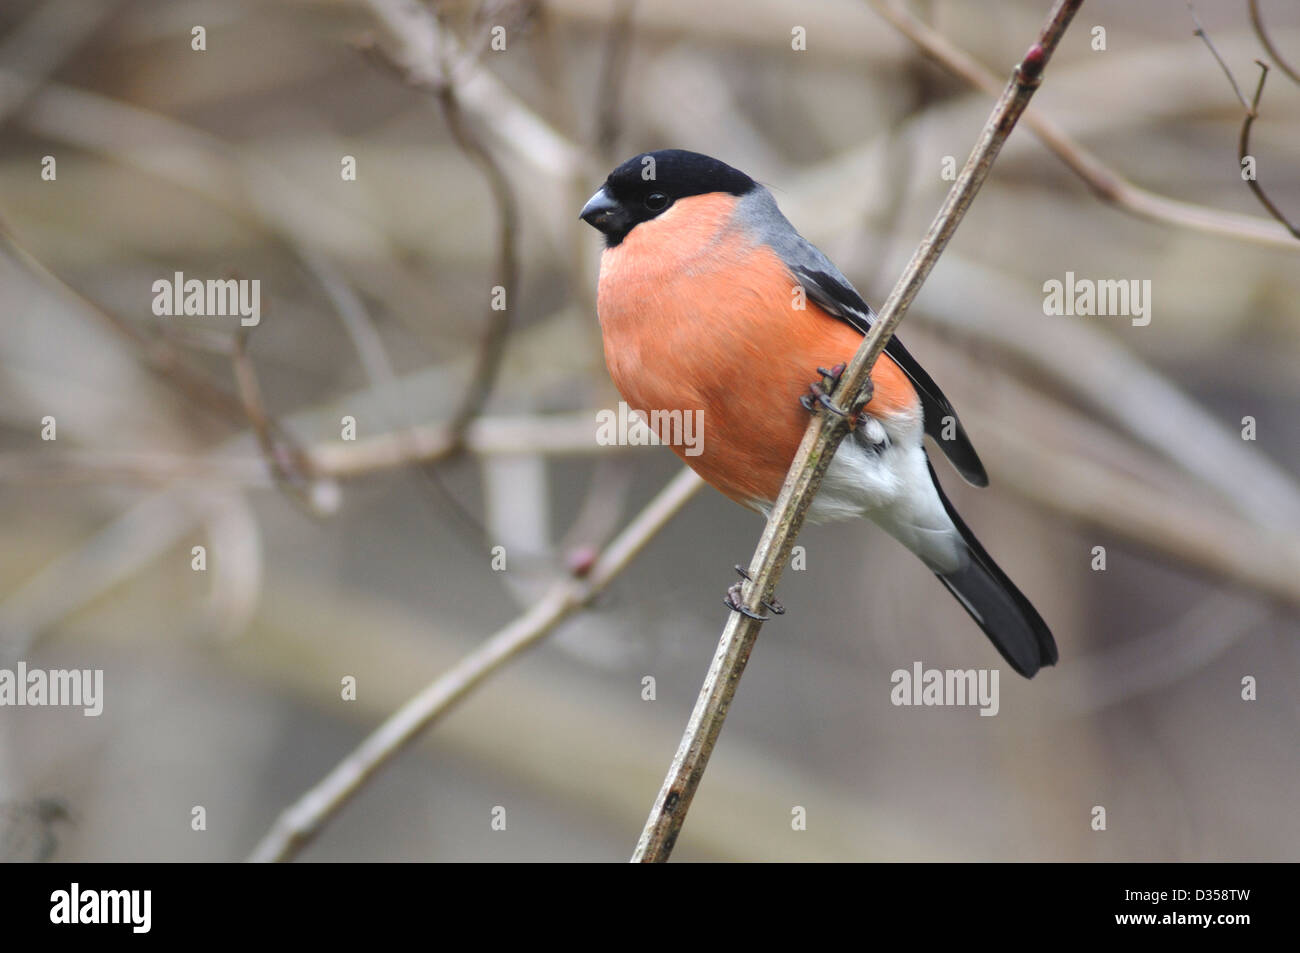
[
  {"x": 492, "y": 344},
  {"x": 1200, "y": 31},
  {"x": 1252, "y": 113},
  {"x": 303, "y": 820},
  {"x": 428, "y": 58},
  {"x": 823, "y": 435},
  {"x": 1243, "y": 150},
  {"x": 613, "y": 71},
  {"x": 1107, "y": 184},
  {"x": 289, "y": 463},
  {"x": 159, "y": 355},
  {"x": 1258, "y": 23}
]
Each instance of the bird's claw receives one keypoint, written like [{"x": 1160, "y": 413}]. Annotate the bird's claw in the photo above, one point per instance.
[
  {"x": 735, "y": 601},
  {"x": 824, "y": 388}
]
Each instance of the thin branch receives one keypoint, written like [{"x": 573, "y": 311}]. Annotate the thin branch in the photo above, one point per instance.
[
  {"x": 1258, "y": 23},
  {"x": 613, "y": 70},
  {"x": 602, "y": 508},
  {"x": 424, "y": 59},
  {"x": 288, "y": 462},
  {"x": 102, "y": 467},
  {"x": 1107, "y": 184},
  {"x": 569, "y": 434},
  {"x": 1155, "y": 512},
  {"x": 369, "y": 346},
  {"x": 1142, "y": 502},
  {"x": 358, "y": 324},
  {"x": 1104, "y": 378},
  {"x": 492, "y": 345},
  {"x": 1243, "y": 150},
  {"x": 1252, "y": 113},
  {"x": 824, "y": 434},
  {"x": 429, "y": 57},
  {"x": 35, "y": 48},
  {"x": 159, "y": 355},
  {"x": 303, "y": 820},
  {"x": 1200, "y": 31},
  {"x": 547, "y": 433}
]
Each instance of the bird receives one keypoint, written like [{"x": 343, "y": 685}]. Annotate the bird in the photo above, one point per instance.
[{"x": 711, "y": 303}]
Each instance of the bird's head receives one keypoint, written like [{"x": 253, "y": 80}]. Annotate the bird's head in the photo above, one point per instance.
[{"x": 647, "y": 185}]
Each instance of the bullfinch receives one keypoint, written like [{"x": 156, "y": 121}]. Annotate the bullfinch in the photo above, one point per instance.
[{"x": 710, "y": 303}]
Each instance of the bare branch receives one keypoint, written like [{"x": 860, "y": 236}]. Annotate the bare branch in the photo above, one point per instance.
[
  {"x": 550, "y": 433},
  {"x": 613, "y": 68},
  {"x": 303, "y": 820},
  {"x": 492, "y": 345},
  {"x": 1252, "y": 113},
  {"x": 824, "y": 434},
  {"x": 1107, "y": 184},
  {"x": 160, "y": 355},
  {"x": 1200, "y": 31},
  {"x": 287, "y": 461},
  {"x": 1258, "y": 23},
  {"x": 38, "y": 45},
  {"x": 426, "y": 60},
  {"x": 1243, "y": 150},
  {"x": 570, "y": 434},
  {"x": 422, "y": 52}
]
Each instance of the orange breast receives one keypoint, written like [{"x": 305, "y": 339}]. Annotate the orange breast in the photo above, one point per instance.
[{"x": 695, "y": 317}]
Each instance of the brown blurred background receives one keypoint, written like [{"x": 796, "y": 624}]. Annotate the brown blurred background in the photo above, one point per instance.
[{"x": 223, "y": 686}]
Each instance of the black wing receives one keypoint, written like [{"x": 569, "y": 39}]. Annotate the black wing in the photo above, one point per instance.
[{"x": 832, "y": 292}]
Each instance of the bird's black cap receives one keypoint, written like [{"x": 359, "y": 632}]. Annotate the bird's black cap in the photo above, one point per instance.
[{"x": 648, "y": 184}]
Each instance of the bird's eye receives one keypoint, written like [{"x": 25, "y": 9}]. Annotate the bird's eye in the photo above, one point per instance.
[{"x": 656, "y": 201}]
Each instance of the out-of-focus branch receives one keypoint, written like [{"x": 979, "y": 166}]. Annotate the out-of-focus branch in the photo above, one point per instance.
[
  {"x": 104, "y": 467},
  {"x": 303, "y": 820},
  {"x": 1105, "y": 377},
  {"x": 288, "y": 462},
  {"x": 1164, "y": 521},
  {"x": 424, "y": 49},
  {"x": 492, "y": 345},
  {"x": 1209, "y": 626},
  {"x": 1147, "y": 516},
  {"x": 427, "y": 58},
  {"x": 111, "y": 555},
  {"x": 602, "y": 507},
  {"x": 356, "y": 322},
  {"x": 823, "y": 436},
  {"x": 1243, "y": 150},
  {"x": 159, "y": 354},
  {"x": 552, "y": 434},
  {"x": 1252, "y": 113},
  {"x": 1201, "y": 32},
  {"x": 1258, "y": 23},
  {"x": 1107, "y": 184},
  {"x": 613, "y": 68},
  {"x": 40, "y": 44}
]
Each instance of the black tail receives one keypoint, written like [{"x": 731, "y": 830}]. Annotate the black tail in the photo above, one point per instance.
[{"x": 1001, "y": 610}]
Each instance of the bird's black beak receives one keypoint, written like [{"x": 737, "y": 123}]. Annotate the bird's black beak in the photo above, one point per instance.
[{"x": 603, "y": 213}]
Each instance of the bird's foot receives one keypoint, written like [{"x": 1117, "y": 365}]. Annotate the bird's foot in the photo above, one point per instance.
[
  {"x": 824, "y": 388},
  {"x": 735, "y": 600}
]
